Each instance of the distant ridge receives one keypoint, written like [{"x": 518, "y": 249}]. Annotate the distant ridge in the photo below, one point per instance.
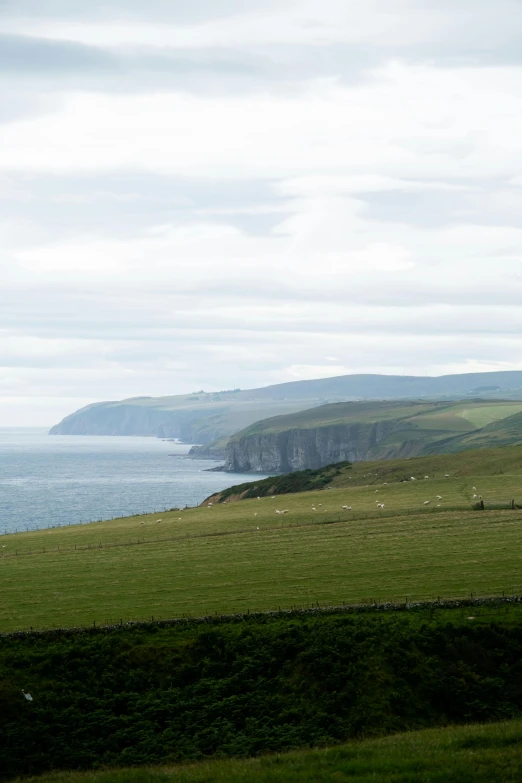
[{"x": 204, "y": 417}]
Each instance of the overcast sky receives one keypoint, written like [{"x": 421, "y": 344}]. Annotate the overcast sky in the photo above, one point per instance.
[{"x": 223, "y": 193}]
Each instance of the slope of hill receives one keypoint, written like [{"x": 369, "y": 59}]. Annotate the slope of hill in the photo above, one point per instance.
[
  {"x": 204, "y": 417},
  {"x": 454, "y": 754},
  {"x": 357, "y": 431},
  {"x": 503, "y": 432}
]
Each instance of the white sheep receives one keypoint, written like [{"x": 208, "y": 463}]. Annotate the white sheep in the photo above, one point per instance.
[
  {"x": 446, "y": 475},
  {"x": 439, "y": 497},
  {"x": 412, "y": 478},
  {"x": 427, "y": 502},
  {"x": 426, "y": 477}
]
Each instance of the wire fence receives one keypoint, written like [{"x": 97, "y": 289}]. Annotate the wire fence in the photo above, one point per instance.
[{"x": 338, "y": 519}]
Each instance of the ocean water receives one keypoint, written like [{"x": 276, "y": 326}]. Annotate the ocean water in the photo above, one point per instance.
[{"x": 49, "y": 480}]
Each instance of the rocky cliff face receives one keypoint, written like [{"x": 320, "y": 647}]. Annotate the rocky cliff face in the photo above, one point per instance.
[{"x": 284, "y": 452}]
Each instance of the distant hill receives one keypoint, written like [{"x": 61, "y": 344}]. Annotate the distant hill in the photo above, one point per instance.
[
  {"x": 204, "y": 417},
  {"x": 356, "y": 431}
]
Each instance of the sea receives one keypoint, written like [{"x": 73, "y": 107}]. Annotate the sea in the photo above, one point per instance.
[{"x": 57, "y": 480}]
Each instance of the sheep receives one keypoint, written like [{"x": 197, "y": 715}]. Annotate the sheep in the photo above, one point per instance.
[
  {"x": 27, "y": 695},
  {"x": 426, "y": 477},
  {"x": 474, "y": 497},
  {"x": 255, "y": 514},
  {"x": 278, "y": 512},
  {"x": 380, "y": 505},
  {"x": 439, "y": 497},
  {"x": 446, "y": 475},
  {"x": 346, "y": 508},
  {"x": 474, "y": 489},
  {"x": 257, "y": 528},
  {"x": 412, "y": 478},
  {"x": 158, "y": 521},
  {"x": 385, "y": 484},
  {"x": 376, "y": 490},
  {"x": 427, "y": 502}
]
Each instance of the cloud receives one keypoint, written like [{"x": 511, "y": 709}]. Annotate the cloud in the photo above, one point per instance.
[
  {"x": 28, "y": 55},
  {"x": 207, "y": 195}
]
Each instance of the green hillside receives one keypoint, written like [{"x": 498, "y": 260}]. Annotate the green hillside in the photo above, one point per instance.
[
  {"x": 499, "y": 432},
  {"x": 479, "y": 753}
]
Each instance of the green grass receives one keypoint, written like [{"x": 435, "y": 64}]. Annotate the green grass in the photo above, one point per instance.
[
  {"x": 215, "y": 559},
  {"x": 463, "y": 754},
  {"x": 480, "y": 415}
]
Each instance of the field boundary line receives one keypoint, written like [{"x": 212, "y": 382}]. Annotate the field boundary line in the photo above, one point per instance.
[{"x": 361, "y": 608}]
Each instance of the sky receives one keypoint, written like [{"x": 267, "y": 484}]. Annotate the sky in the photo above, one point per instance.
[{"x": 230, "y": 193}]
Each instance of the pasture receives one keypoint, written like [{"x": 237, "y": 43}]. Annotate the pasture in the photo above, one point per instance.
[{"x": 243, "y": 556}]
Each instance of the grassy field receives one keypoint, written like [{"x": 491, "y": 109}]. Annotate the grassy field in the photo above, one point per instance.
[
  {"x": 445, "y": 417},
  {"x": 244, "y": 557},
  {"x": 463, "y": 754}
]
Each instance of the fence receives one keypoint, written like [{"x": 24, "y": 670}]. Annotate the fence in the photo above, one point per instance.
[{"x": 480, "y": 604}]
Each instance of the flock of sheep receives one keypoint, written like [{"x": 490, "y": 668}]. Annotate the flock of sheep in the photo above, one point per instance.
[{"x": 344, "y": 507}]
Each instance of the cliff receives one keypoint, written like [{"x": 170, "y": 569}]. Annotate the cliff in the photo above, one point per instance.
[
  {"x": 364, "y": 431},
  {"x": 292, "y": 450}
]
